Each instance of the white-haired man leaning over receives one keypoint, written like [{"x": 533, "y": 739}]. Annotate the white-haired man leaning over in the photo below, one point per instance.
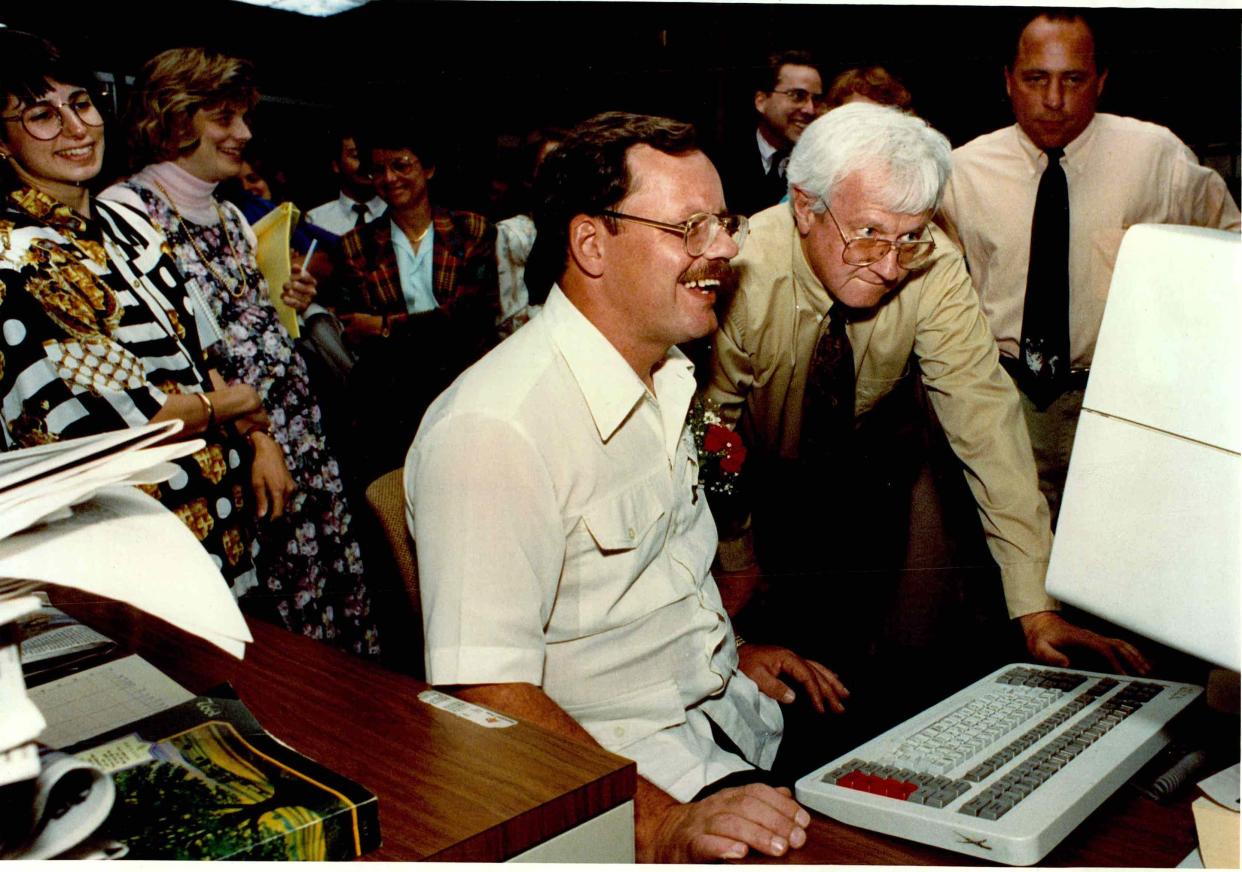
[{"x": 843, "y": 292}]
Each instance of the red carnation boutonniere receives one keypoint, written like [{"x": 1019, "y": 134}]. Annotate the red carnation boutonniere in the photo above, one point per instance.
[{"x": 721, "y": 452}]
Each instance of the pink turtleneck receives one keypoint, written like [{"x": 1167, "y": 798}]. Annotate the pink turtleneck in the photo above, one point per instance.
[{"x": 190, "y": 194}]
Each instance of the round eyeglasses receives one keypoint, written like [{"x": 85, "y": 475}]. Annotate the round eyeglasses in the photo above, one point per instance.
[
  {"x": 399, "y": 166},
  {"x": 866, "y": 250},
  {"x": 801, "y": 95},
  {"x": 45, "y": 120},
  {"x": 698, "y": 231}
]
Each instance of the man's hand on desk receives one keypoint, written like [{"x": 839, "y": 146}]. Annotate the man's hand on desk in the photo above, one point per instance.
[
  {"x": 1048, "y": 634},
  {"x": 765, "y": 663},
  {"x": 724, "y": 826}
]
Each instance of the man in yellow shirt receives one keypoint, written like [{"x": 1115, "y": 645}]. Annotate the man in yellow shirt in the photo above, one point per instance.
[{"x": 853, "y": 269}]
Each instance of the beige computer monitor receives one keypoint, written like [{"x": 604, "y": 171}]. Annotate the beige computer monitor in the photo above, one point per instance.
[{"x": 1151, "y": 519}]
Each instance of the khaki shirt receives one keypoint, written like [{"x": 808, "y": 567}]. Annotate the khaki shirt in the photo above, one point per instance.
[
  {"x": 764, "y": 345},
  {"x": 1120, "y": 171}
]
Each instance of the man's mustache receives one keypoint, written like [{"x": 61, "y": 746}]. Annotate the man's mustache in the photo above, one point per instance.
[{"x": 719, "y": 270}]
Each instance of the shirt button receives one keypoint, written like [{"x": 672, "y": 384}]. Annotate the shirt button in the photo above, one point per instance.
[
  {"x": 630, "y": 532},
  {"x": 619, "y": 732}
]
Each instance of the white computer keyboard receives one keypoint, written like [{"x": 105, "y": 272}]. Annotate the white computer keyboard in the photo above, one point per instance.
[{"x": 1007, "y": 767}]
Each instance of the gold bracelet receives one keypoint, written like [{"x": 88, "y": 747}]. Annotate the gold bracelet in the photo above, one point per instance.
[
  {"x": 738, "y": 641},
  {"x": 210, "y": 408}
]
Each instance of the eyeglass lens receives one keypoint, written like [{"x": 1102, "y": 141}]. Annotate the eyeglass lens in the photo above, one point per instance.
[
  {"x": 864, "y": 252},
  {"x": 801, "y": 95},
  {"x": 701, "y": 231},
  {"x": 45, "y": 121},
  {"x": 400, "y": 166}
]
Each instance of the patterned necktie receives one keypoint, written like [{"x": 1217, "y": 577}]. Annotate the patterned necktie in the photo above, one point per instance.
[
  {"x": 828, "y": 407},
  {"x": 361, "y": 210},
  {"x": 1045, "y": 351}
]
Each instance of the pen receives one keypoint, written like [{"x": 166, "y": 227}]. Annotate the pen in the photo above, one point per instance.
[{"x": 310, "y": 252}]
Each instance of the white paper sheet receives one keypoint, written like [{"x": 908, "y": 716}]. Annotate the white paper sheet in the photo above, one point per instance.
[
  {"x": 124, "y": 545},
  {"x": 103, "y": 698}
]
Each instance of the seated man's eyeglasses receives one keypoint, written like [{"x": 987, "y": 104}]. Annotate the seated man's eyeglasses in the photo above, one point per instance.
[
  {"x": 866, "y": 250},
  {"x": 45, "y": 120},
  {"x": 801, "y": 95},
  {"x": 399, "y": 166},
  {"x": 698, "y": 231}
]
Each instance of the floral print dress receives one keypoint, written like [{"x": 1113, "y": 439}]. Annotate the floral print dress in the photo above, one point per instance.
[{"x": 309, "y": 562}]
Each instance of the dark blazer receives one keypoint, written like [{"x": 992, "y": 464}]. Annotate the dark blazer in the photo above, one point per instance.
[{"x": 747, "y": 189}]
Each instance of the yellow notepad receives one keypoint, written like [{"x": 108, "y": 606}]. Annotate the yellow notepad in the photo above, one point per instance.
[{"x": 274, "y": 231}]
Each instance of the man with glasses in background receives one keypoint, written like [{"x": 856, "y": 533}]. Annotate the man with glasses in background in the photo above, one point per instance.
[
  {"x": 419, "y": 297},
  {"x": 843, "y": 292},
  {"x": 564, "y": 544},
  {"x": 788, "y": 97}
]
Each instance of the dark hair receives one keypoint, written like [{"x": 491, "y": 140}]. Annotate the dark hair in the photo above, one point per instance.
[
  {"x": 769, "y": 75},
  {"x": 875, "y": 83},
  {"x": 1068, "y": 15},
  {"x": 396, "y": 134},
  {"x": 587, "y": 174},
  {"x": 29, "y": 64}
]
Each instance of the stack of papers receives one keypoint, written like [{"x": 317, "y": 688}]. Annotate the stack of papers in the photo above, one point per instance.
[
  {"x": 69, "y": 516},
  {"x": 20, "y": 721}
]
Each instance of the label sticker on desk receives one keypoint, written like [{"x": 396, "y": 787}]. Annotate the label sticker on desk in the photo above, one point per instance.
[
  {"x": 122, "y": 753},
  {"x": 468, "y": 710}
]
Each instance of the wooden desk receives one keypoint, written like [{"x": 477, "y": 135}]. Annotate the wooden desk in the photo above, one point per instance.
[
  {"x": 451, "y": 790},
  {"x": 448, "y": 789},
  {"x": 1127, "y": 830}
]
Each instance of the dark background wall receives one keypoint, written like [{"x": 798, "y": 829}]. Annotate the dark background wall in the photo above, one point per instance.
[{"x": 482, "y": 74}]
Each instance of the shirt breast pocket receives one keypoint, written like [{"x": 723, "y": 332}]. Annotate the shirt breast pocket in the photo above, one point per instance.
[
  {"x": 869, "y": 391},
  {"x": 629, "y": 521},
  {"x": 617, "y": 571}
]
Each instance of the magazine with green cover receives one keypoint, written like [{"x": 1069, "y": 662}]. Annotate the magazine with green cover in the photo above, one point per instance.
[{"x": 204, "y": 780}]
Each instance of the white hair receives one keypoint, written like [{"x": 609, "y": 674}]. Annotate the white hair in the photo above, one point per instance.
[{"x": 911, "y": 156}]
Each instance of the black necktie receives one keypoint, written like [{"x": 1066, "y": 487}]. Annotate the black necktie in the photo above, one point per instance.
[
  {"x": 1045, "y": 351},
  {"x": 361, "y": 210},
  {"x": 775, "y": 180},
  {"x": 828, "y": 407}
]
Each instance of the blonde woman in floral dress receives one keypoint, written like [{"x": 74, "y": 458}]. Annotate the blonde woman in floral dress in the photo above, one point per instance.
[{"x": 188, "y": 119}]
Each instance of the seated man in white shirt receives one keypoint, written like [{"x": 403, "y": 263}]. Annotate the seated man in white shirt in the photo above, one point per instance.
[
  {"x": 358, "y": 204},
  {"x": 564, "y": 542}
]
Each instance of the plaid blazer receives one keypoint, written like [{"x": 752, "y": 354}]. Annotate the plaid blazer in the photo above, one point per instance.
[{"x": 463, "y": 270}]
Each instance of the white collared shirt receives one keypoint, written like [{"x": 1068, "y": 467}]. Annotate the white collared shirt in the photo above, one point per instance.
[
  {"x": 338, "y": 216},
  {"x": 561, "y": 542},
  {"x": 766, "y": 151}
]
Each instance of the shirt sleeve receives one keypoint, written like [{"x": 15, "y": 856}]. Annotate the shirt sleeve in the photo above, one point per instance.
[
  {"x": 1203, "y": 196},
  {"x": 490, "y": 546},
  {"x": 56, "y": 387},
  {"x": 980, "y": 411}
]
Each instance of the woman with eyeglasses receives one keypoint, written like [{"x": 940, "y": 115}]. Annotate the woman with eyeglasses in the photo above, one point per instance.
[
  {"x": 98, "y": 331},
  {"x": 188, "y": 119}
]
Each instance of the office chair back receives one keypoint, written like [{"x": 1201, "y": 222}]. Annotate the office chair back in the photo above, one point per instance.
[{"x": 386, "y": 498}]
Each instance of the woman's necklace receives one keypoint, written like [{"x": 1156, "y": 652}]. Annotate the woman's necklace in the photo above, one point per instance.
[
  {"x": 415, "y": 240},
  {"x": 242, "y": 287}
]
